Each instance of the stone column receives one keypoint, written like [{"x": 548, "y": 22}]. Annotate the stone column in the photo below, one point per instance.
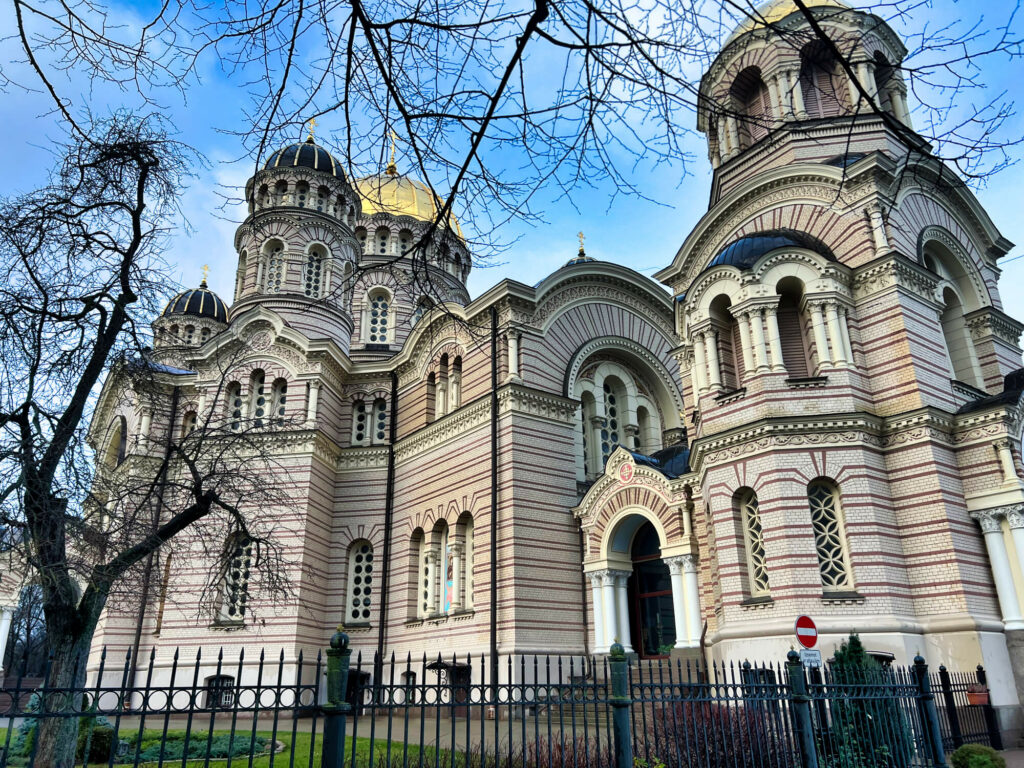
[
  {"x": 844, "y": 325},
  {"x": 454, "y": 391},
  {"x": 711, "y": 351},
  {"x": 734, "y": 134},
  {"x": 144, "y": 427},
  {"x": 700, "y": 365},
  {"x": 513, "y": 355},
  {"x": 773, "y": 94},
  {"x": 600, "y": 645},
  {"x": 1015, "y": 519},
  {"x": 6, "y": 615},
  {"x": 1006, "y": 461},
  {"x": 835, "y": 332},
  {"x": 441, "y": 399},
  {"x": 456, "y": 555},
  {"x": 878, "y": 234},
  {"x": 748, "y": 357},
  {"x": 675, "y": 572},
  {"x": 431, "y": 558},
  {"x": 774, "y": 340},
  {"x": 798, "y": 96},
  {"x": 314, "y": 394},
  {"x": 757, "y": 331},
  {"x": 866, "y": 74},
  {"x": 820, "y": 342},
  {"x": 611, "y": 625},
  {"x": 621, "y": 578},
  {"x": 998, "y": 559},
  {"x": 691, "y": 591}
]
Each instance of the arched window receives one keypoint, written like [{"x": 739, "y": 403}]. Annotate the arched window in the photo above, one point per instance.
[
  {"x": 301, "y": 194},
  {"x": 361, "y": 237},
  {"x": 752, "y": 102},
  {"x": 273, "y": 280},
  {"x": 455, "y": 385},
  {"x": 234, "y": 402},
  {"x": 257, "y": 398},
  {"x": 278, "y": 401},
  {"x": 821, "y": 84},
  {"x": 730, "y": 346},
  {"x": 190, "y": 334},
  {"x": 361, "y": 586},
  {"x": 204, "y": 335},
  {"x": 614, "y": 413},
  {"x": 829, "y": 536},
  {"x": 380, "y": 421},
  {"x": 793, "y": 328},
  {"x": 281, "y": 192},
  {"x": 312, "y": 272},
  {"x": 377, "y": 317},
  {"x": 753, "y": 539},
  {"x": 322, "y": 195},
  {"x": 359, "y": 428},
  {"x": 404, "y": 241},
  {"x": 431, "y": 396},
  {"x": 963, "y": 361},
  {"x": 382, "y": 237},
  {"x": 262, "y": 197},
  {"x": 441, "y": 391},
  {"x": 189, "y": 423},
  {"x": 243, "y": 260},
  {"x": 236, "y": 580},
  {"x": 117, "y": 443}
]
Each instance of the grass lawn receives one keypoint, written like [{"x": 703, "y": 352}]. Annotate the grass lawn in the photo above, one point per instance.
[{"x": 301, "y": 749}]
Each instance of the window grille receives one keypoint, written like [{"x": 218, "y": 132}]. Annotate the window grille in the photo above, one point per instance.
[
  {"x": 359, "y": 422},
  {"x": 360, "y": 581},
  {"x": 220, "y": 692},
  {"x": 380, "y": 417},
  {"x": 378, "y": 317},
  {"x": 259, "y": 398},
  {"x": 757, "y": 568},
  {"x": 828, "y": 536},
  {"x": 312, "y": 277},
  {"x": 236, "y": 581},
  {"x": 275, "y": 269},
  {"x": 279, "y": 399},
  {"x": 235, "y": 405}
]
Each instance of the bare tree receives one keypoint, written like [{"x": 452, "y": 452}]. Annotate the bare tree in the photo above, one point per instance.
[{"x": 81, "y": 263}]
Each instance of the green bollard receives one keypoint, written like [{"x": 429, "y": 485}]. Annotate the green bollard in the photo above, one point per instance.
[
  {"x": 620, "y": 701},
  {"x": 336, "y": 709}
]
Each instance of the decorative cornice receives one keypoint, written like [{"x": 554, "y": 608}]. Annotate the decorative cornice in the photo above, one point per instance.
[
  {"x": 450, "y": 427},
  {"x": 894, "y": 270},
  {"x": 606, "y": 289},
  {"x": 989, "y": 321},
  {"x": 374, "y": 457},
  {"x": 516, "y": 398}
]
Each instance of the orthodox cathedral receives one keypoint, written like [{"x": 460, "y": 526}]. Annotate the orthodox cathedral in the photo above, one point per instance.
[{"x": 821, "y": 414}]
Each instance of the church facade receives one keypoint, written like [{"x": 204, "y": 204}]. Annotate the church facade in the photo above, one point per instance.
[{"x": 821, "y": 415}]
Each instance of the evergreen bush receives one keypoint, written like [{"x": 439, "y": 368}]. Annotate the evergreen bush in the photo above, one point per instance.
[{"x": 976, "y": 756}]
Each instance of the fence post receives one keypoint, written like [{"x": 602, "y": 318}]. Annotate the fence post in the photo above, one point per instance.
[
  {"x": 336, "y": 708},
  {"x": 800, "y": 702},
  {"x": 620, "y": 701},
  {"x": 995, "y": 738},
  {"x": 951, "y": 711},
  {"x": 929, "y": 715}
]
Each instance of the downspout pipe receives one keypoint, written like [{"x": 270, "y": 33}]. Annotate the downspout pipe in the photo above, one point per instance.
[
  {"x": 494, "y": 501},
  {"x": 389, "y": 513}
]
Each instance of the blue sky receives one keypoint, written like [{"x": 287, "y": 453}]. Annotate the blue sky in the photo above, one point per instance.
[{"x": 637, "y": 233}]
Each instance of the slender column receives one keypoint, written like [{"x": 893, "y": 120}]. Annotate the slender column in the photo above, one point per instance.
[
  {"x": 723, "y": 139},
  {"x": 773, "y": 94},
  {"x": 899, "y": 105},
  {"x": 675, "y": 572},
  {"x": 600, "y": 644},
  {"x": 1006, "y": 461},
  {"x": 820, "y": 343},
  {"x": 835, "y": 332},
  {"x": 513, "y": 355},
  {"x": 611, "y": 625},
  {"x": 691, "y": 590},
  {"x": 865, "y": 71},
  {"x": 844, "y": 326},
  {"x": 6, "y": 615},
  {"x": 431, "y": 583},
  {"x": 456, "y": 555},
  {"x": 621, "y": 577},
  {"x": 711, "y": 350},
  {"x": 748, "y": 357},
  {"x": 147, "y": 422},
  {"x": 774, "y": 340},
  {"x": 454, "y": 391},
  {"x": 441, "y": 395},
  {"x": 878, "y": 233},
  {"x": 1015, "y": 518},
  {"x": 760, "y": 350},
  {"x": 798, "y": 96},
  {"x": 734, "y": 134},
  {"x": 700, "y": 364},
  {"x": 1001, "y": 573},
  {"x": 314, "y": 394}
]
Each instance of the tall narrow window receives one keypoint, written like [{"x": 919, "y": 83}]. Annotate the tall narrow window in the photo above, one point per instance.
[
  {"x": 361, "y": 237},
  {"x": 278, "y": 401},
  {"x": 234, "y": 399},
  {"x": 188, "y": 424},
  {"x": 236, "y": 580},
  {"x": 383, "y": 235},
  {"x": 614, "y": 402},
  {"x": 829, "y": 540},
  {"x": 380, "y": 420},
  {"x": 359, "y": 423},
  {"x": 455, "y": 385},
  {"x": 258, "y": 398},
  {"x": 360, "y": 582},
  {"x": 753, "y": 534},
  {"x": 377, "y": 317},
  {"x": 791, "y": 328},
  {"x": 274, "y": 280},
  {"x": 312, "y": 273},
  {"x": 301, "y": 193}
]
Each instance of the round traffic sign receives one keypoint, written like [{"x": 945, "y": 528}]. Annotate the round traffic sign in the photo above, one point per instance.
[{"x": 806, "y": 631}]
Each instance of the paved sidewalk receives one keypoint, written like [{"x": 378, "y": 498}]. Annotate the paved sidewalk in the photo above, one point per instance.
[{"x": 1014, "y": 758}]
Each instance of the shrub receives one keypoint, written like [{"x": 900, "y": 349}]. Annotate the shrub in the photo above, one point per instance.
[
  {"x": 100, "y": 742},
  {"x": 221, "y": 747},
  {"x": 976, "y": 756}
]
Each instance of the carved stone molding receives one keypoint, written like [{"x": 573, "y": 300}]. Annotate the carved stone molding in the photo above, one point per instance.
[
  {"x": 894, "y": 271},
  {"x": 374, "y": 457}
]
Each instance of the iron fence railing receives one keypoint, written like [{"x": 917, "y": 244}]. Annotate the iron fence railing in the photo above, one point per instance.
[{"x": 467, "y": 711}]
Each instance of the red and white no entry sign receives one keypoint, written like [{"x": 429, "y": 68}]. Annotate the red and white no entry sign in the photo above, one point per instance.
[{"x": 806, "y": 632}]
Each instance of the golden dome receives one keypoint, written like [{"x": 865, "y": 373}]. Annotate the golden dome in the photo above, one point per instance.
[
  {"x": 400, "y": 196},
  {"x": 774, "y": 11}
]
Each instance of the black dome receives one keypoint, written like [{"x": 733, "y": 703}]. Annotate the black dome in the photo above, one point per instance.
[
  {"x": 306, "y": 155},
  {"x": 198, "y": 302},
  {"x": 743, "y": 253}
]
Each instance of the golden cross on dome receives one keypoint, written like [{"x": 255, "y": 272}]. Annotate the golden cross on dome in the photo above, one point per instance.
[
  {"x": 392, "y": 169},
  {"x": 206, "y": 272},
  {"x": 581, "y": 236},
  {"x": 312, "y": 124}
]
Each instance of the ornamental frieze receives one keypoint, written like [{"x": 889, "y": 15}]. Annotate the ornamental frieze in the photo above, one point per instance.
[{"x": 662, "y": 320}]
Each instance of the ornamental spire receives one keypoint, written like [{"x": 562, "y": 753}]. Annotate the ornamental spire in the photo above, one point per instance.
[{"x": 392, "y": 169}]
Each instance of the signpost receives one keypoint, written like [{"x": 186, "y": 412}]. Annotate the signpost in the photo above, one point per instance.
[{"x": 807, "y": 636}]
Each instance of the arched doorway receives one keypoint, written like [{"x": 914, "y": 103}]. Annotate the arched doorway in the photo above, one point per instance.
[{"x": 651, "y": 614}]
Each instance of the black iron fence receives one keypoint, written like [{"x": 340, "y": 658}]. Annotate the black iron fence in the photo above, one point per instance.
[{"x": 524, "y": 712}]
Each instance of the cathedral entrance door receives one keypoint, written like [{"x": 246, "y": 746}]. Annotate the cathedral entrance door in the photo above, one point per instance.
[{"x": 652, "y": 619}]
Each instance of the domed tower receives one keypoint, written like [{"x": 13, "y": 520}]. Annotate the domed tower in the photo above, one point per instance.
[
  {"x": 296, "y": 250},
  {"x": 407, "y": 266},
  {"x": 777, "y": 88},
  {"x": 189, "y": 320}
]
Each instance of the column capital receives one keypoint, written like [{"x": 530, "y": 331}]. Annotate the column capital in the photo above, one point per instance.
[
  {"x": 681, "y": 564},
  {"x": 457, "y": 548},
  {"x": 989, "y": 520}
]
